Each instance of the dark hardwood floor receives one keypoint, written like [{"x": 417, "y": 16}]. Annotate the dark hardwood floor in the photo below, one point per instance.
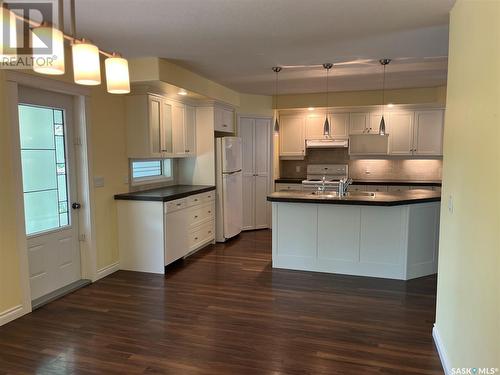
[{"x": 226, "y": 311}]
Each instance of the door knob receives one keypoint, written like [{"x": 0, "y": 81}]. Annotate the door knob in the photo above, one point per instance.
[{"x": 76, "y": 206}]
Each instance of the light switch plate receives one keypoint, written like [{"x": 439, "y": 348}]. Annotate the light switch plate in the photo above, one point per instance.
[
  {"x": 98, "y": 181},
  {"x": 450, "y": 204}
]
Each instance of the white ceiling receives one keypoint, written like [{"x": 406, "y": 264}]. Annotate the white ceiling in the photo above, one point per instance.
[{"x": 236, "y": 42}]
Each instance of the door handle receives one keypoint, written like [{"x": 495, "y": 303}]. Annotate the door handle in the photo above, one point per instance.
[{"x": 76, "y": 206}]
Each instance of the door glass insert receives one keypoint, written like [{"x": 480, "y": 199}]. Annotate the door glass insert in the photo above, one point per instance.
[{"x": 44, "y": 169}]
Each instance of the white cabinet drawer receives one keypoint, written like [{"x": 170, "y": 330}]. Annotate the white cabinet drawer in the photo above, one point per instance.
[
  {"x": 397, "y": 188},
  {"x": 201, "y": 213},
  {"x": 201, "y": 235},
  {"x": 422, "y": 187},
  {"x": 194, "y": 200},
  {"x": 356, "y": 188},
  {"x": 285, "y": 187},
  {"x": 376, "y": 188},
  {"x": 175, "y": 205}
]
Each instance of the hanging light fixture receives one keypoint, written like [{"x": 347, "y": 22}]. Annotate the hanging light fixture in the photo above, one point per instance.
[
  {"x": 326, "y": 125},
  {"x": 86, "y": 63},
  {"x": 7, "y": 23},
  {"x": 276, "y": 69},
  {"x": 381, "y": 129},
  {"x": 117, "y": 77},
  {"x": 44, "y": 36}
]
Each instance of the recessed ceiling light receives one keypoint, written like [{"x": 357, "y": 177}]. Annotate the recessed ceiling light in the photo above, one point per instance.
[
  {"x": 311, "y": 108},
  {"x": 390, "y": 105},
  {"x": 182, "y": 92}
]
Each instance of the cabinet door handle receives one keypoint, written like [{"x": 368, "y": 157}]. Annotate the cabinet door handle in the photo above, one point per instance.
[
  {"x": 209, "y": 212},
  {"x": 209, "y": 232},
  {"x": 178, "y": 204},
  {"x": 224, "y": 125},
  {"x": 196, "y": 238},
  {"x": 196, "y": 199},
  {"x": 186, "y": 150}
]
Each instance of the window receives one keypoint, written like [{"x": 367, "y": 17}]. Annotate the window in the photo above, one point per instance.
[
  {"x": 44, "y": 169},
  {"x": 151, "y": 171}
]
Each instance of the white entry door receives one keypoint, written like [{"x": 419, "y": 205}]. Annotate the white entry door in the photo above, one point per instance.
[
  {"x": 256, "y": 165},
  {"x": 49, "y": 189}
]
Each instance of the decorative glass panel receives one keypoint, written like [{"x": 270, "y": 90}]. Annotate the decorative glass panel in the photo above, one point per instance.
[{"x": 43, "y": 158}]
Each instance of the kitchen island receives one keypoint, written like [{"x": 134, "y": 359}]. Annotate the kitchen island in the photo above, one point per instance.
[{"x": 392, "y": 235}]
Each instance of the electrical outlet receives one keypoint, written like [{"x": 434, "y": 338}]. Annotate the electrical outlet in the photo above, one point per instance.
[
  {"x": 450, "y": 204},
  {"x": 297, "y": 168}
]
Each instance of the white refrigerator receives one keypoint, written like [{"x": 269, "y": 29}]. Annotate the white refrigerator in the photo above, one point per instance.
[{"x": 229, "y": 203}]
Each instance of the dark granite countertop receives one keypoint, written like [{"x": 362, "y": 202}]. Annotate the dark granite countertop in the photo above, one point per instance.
[
  {"x": 285, "y": 180},
  {"x": 396, "y": 183},
  {"x": 359, "y": 198},
  {"x": 165, "y": 194}
]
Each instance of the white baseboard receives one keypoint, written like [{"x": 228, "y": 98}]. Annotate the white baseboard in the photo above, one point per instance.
[
  {"x": 11, "y": 314},
  {"x": 108, "y": 270},
  {"x": 441, "y": 351}
]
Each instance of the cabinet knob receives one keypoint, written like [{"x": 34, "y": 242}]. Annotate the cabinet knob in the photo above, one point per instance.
[
  {"x": 209, "y": 212},
  {"x": 178, "y": 204},
  {"x": 196, "y": 216},
  {"x": 209, "y": 232},
  {"x": 196, "y": 238},
  {"x": 186, "y": 150},
  {"x": 224, "y": 125}
]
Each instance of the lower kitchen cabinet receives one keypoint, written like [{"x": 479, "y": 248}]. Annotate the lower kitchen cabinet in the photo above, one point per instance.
[
  {"x": 155, "y": 234},
  {"x": 284, "y": 187}
]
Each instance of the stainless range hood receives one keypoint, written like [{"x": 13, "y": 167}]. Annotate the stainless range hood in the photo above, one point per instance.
[{"x": 327, "y": 143}]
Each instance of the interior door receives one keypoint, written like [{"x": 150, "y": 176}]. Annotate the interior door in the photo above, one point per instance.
[
  {"x": 49, "y": 189},
  {"x": 247, "y": 132},
  {"x": 262, "y": 168}
]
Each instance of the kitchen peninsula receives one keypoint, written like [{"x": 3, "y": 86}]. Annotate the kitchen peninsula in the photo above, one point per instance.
[{"x": 390, "y": 235}]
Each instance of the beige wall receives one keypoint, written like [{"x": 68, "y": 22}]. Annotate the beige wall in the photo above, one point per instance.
[
  {"x": 258, "y": 105},
  {"x": 109, "y": 161},
  {"x": 468, "y": 301}
]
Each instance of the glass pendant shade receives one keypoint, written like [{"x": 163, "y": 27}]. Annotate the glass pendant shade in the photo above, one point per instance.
[
  {"x": 381, "y": 129},
  {"x": 86, "y": 65},
  {"x": 7, "y": 24},
  {"x": 53, "y": 62},
  {"x": 117, "y": 75},
  {"x": 326, "y": 127},
  {"x": 276, "y": 125}
]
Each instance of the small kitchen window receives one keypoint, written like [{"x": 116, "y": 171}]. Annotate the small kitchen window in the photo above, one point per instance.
[{"x": 151, "y": 171}]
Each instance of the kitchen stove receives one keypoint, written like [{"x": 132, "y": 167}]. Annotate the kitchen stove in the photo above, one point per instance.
[{"x": 331, "y": 172}]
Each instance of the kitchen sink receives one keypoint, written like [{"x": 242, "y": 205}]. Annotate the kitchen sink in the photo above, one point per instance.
[{"x": 348, "y": 194}]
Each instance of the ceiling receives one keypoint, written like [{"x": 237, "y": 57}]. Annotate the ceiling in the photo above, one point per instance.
[{"x": 236, "y": 42}]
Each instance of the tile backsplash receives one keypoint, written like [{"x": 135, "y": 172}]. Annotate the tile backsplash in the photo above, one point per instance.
[{"x": 366, "y": 169}]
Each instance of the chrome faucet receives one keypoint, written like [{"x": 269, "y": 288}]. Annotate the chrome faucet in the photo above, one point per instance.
[
  {"x": 343, "y": 185},
  {"x": 322, "y": 188}
]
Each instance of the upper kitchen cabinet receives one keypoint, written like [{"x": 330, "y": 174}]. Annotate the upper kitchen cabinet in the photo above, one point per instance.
[
  {"x": 400, "y": 128},
  {"x": 364, "y": 123},
  {"x": 428, "y": 133},
  {"x": 159, "y": 128},
  {"x": 149, "y": 127},
  {"x": 183, "y": 130},
  {"x": 224, "y": 119},
  {"x": 339, "y": 124},
  {"x": 314, "y": 126},
  {"x": 418, "y": 133},
  {"x": 292, "y": 136}
]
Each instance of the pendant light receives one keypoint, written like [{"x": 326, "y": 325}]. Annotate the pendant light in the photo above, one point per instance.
[
  {"x": 117, "y": 77},
  {"x": 381, "y": 129},
  {"x": 46, "y": 36},
  {"x": 326, "y": 125},
  {"x": 276, "y": 69},
  {"x": 7, "y": 23},
  {"x": 86, "y": 63}
]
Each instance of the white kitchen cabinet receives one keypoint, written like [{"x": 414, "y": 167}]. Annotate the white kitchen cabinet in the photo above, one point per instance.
[
  {"x": 148, "y": 127},
  {"x": 255, "y": 134},
  {"x": 224, "y": 119},
  {"x": 368, "y": 144},
  {"x": 287, "y": 187},
  {"x": 416, "y": 133},
  {"x": 152, "y": 235},
  {"x": 374, "y": 125},
  {"x": 428, "y": 132},
  {"x": 314, "y": 126},
  {"x": 359, "y": 123},
  {"x": 400, "y": 129},
  {"x": 159, "y": 128},
  {"x": 292, "y": 137},
  {"x": 183, "y": 130},
  {"x": 340, "y": 125}
]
